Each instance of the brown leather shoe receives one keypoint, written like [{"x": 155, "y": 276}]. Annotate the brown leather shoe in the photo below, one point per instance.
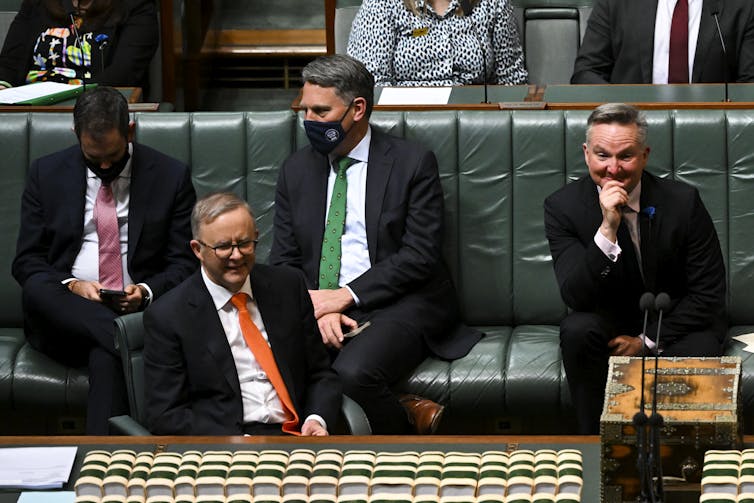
[{"x": 423, "y": 414}]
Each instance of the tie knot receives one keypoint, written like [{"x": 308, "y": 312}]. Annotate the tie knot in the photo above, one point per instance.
[
  {"x": 344, "y": 163},
  {"x": 239, "y": 300}
]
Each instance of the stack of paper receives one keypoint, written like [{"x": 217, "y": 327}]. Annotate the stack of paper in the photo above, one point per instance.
[{"x": 36, "y": 467}]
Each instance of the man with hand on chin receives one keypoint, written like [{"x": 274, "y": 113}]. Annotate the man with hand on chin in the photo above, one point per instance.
[
  {"x": 107, "y": 213},
  {"x": 617, "y": 233},
  {"x": 234, "y": 349},
  {"x": 359, "y": 213}
]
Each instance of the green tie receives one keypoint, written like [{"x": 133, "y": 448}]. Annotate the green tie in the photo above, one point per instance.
[{"x": 329, "y": 265}]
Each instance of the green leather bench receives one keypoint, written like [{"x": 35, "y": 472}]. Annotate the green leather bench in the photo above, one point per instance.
[{"x": 496, "y": 169}]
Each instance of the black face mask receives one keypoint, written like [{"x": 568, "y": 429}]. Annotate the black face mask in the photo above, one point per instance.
[
  {"x": 111, "y": 173},
  {"x": 325, "y": 136}
]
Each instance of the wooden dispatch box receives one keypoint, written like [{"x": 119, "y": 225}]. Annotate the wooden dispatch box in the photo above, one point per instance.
[{"x": 699, "y": 401}]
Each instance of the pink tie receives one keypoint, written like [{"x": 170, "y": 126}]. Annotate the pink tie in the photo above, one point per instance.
[
  {"x": 678, "y": 61},
  {"x": 106, "y": 220}
]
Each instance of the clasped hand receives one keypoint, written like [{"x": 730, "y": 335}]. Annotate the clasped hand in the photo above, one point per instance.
[{"x": 129, "y": 303}]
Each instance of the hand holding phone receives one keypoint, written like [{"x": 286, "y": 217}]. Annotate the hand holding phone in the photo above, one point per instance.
[
  {"x": 107, "y": 294},
  {"x": 357, "y": 330}
]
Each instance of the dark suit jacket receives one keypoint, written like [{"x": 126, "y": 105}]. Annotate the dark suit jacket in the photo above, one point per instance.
[
  {"x": 618, "y": 45},
  {"x": 159, "y": 212},
  {"x": 193, "y": 382},
  {"x": 133, "y": 34},
  {"x": 680, "y": 255},
  {"x": 404, "y": 210}
]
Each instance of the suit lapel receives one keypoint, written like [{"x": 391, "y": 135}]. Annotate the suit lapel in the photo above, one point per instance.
[
  {"x": 707, "y": 37},
  {"x": 269, "y": 307},
  {"x": 313, "y": 201},
  {"x": 649, "y": 221},
  {"x": 211, "y": 331},
  {"x": 142, "y": 180},
  {"x": 378, "y": 173},
  {"x": 73, "y": 190},
  {"x": 646, "y": 9}
]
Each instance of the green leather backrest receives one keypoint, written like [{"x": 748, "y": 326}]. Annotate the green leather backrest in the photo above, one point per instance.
[{"x": 496, "y": 168}]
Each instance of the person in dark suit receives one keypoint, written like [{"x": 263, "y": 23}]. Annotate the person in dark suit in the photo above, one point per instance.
[
  {"x": 206, "y": 375},
  {"x": 628, "y": 42},
  {"x": 380, "y": 263},
  {"x": 117, "y": 39},
  {"x": 617, "y": 233},
  {"x": 61, "y": 246}
]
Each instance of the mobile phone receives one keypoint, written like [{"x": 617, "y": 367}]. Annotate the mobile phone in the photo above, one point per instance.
[
  {"x": 357, "y": 330},
  {"x": 104, "y": 292}
]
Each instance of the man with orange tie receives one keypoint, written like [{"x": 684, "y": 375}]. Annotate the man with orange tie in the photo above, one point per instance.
[
  {"x": 667, "y": 42},
  {"x": 234, "y": 349},
  {"x": 104, "y": 229}
]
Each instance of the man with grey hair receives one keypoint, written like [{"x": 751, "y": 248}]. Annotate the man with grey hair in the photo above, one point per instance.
[
  {"x": 234, "y": 349},
  {"x": 617, "y": 233},
  {"x": 360, "y": 214}
]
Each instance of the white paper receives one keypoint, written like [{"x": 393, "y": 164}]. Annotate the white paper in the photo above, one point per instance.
[
  {"x": 747, "y": 339},
  {"x": 414, "y": 96},
  {"x": 48, "y": 497},
  {"x": 36, "y": 467},
  {"x": 30, "y": 91}
]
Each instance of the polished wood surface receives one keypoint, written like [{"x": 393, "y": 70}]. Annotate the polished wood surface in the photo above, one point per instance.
[
  {"x": 132, "y": 94},
  {"x": 341, "y": 440}
]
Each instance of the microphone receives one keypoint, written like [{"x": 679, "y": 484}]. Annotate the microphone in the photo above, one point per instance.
[
  {"x": 715, "y": 8},
  {"x": 662, "y": 304},
  {"x": 101, "y": 40},
  {"x": 646, "y": 304},
  {"x": 467, "y": 8}
]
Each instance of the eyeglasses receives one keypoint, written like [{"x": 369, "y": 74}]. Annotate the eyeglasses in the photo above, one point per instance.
[{"x": 225, "y": 250}]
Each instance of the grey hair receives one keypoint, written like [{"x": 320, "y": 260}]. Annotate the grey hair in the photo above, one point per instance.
[
  {"x": 620, "y": 113},
  {"x": 347, "y": 75},
  {"x": 211, "y": 206}
]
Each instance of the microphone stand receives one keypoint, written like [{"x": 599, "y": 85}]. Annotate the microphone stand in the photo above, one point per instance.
[
  {"x": 77, "y": 36},
  {"x": 715, "y": 16},
  {"x": 646, "y": 303},
  {"x": 662, "y": 303}
]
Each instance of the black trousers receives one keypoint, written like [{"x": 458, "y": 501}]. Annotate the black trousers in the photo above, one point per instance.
[
  {"x": 583, "y": 345},
  {"x": 78, "y": 332},
  {"x": 377, "y": 358}
]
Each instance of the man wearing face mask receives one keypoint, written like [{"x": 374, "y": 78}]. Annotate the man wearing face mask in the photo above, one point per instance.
[
  {"x": 360, "y": 213},
  {"x": 105, "y": 227}
]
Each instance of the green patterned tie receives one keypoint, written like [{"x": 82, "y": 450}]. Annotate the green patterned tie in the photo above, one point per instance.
[{"x": 329, "y": 265}]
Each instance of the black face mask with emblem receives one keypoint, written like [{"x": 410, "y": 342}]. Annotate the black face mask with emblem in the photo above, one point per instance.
[
  {"x": 109, "y": 174},
  {"x": 325, "y": 136}
]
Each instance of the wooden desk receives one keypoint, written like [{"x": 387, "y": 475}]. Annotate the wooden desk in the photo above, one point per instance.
[
  {"x": 584, "y": 97},
  {"x": 133, "y": 96},
  {"x": 588, "y": 445}
]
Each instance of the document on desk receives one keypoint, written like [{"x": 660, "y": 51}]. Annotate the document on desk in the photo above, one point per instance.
[
  {"x": 40, "y": 93},
  {"x": 36, "y": 467},
  {"x": 414, "y": 96},
  {"x": 748, "y": 340}
]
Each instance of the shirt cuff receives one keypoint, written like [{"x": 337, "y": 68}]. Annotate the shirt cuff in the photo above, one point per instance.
[
  {"x": 68, "y": 280},
  {"x": 611, "y": 250},
  {"x": 355, "y": 298},
  {"x": 150, "y": 295},
  {"x": 649, "y": 342},
  {"x": 316, "y": 418}
]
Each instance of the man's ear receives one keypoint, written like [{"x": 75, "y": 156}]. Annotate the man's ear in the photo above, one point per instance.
[
  {"x": 131, "y": 131},
  {"x": 196, "y": 248},
  {"x": 359, "y": 108}
]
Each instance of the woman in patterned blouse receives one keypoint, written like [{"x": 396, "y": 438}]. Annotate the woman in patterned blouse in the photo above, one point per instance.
[
  {"x": 109, "y": 42},
  {"x": 436, "y": 43}
]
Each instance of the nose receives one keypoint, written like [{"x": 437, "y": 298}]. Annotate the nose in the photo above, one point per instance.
[
  {"x": 612, "y": 166},
  {"x": 235, "y": 253}
]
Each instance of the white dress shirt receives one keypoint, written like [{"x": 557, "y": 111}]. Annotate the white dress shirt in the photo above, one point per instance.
[
  {"x": 663, "y": 21},
  {"x": 260, "y": 401},
  {"x": 354, "y": 247},
  {"x": 86, "y": 265}
]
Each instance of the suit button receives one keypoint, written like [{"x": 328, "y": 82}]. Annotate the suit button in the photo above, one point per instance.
[{"x": 605, "y": 272}]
